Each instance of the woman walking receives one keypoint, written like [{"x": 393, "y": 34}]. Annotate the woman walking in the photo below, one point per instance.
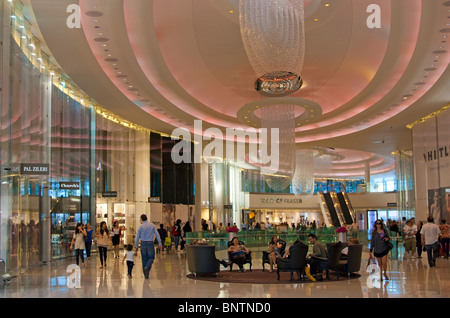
[
  {"x": 78, "y": 239},
  {"x": 116, "y": 234},
  {"x": 380, "y": 247},
  {"x": 419, "y": 239},
  {"x": 89, "y": 232},
  {"x": 103, "y": 241}
]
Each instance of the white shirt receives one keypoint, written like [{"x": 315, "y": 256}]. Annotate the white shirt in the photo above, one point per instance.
[
  {"x": 431, "y": 232},
  {"x": 130, "y": 256},
  {"x": 409, "y": 230}
]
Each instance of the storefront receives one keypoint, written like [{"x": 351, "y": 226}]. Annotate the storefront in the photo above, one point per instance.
[{"x": 279, "y": 208}]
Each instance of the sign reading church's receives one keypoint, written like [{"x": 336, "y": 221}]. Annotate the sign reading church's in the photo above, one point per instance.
[
  {"x": 35, "y": 169},
  {"x": 69, "y": 185}
]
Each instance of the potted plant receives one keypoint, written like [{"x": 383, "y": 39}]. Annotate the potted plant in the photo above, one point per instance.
[
  {"x": 232, "y": 231},
  {"x": 342, "y": 234}
]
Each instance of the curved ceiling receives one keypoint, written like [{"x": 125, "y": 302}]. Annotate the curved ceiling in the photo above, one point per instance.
[{"x": 165, "y": 63}]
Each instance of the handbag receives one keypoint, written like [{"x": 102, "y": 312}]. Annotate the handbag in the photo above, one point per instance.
[{"x": 390, "y": 245}]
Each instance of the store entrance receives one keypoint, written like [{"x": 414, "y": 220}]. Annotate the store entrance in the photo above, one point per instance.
[{"x": 24, "y": 202}]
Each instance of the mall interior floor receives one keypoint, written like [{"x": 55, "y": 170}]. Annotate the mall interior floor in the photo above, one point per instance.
[{"x": 409, "y": 278}]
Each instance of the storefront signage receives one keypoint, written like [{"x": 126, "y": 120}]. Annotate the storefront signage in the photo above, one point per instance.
[
  {"x": 154, "y": 199},
  {"x": 69, "y": 186},
  {"x": 228, "y": 206},
  {"x": 392, "y": 205},
  {"x": 41, "y": 169},
  {"x": 281, "y": 200},
  {"x": 110, "y": 194}
]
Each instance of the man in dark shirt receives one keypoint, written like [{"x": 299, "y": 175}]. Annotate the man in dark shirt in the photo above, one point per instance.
[
  {"x": 163, "y": 234},
  {"x": 319, "y": 250}
]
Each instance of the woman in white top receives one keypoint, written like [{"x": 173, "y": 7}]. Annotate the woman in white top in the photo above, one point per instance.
[
  {"x": 103, "y": 241},
  {"x": 116, "y": 238},
  {"x": 78, "y": 239}
]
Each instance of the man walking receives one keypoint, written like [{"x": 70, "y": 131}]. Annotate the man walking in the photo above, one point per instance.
[
  {"x": 146, "y": 233},
  {"x": 430, "y": 236}
]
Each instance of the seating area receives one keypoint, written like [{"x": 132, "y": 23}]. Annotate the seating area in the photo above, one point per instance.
[{"x": 201, "y": 259}]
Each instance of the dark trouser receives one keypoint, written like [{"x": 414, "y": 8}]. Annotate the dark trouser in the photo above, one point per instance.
[
  {"x": 445, "y": 245},
  {"x": 314, "y": 265},
  {"x": 148, "y": 254},
  {"x": 79, "y": 253},
  {"x": 419, "y": 248},
  {"x": 433, "y": 252},
  {"x": 239, "y": 260},
  {"x": 130, "y": 265},
  {"x": 102, "y": 251},
  {"x": 177, "y": 241},
  {"x": 88, "y": 249}
]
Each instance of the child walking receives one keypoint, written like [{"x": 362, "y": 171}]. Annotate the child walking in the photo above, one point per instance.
[{"x": 129, "y": 256}]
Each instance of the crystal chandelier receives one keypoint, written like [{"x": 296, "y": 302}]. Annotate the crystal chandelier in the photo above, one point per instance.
[
  {"x": 303, "y": 181},
  {"x": 273, "y": 36},
  {"x": 274, "y": 39},
  {"x": 281, "y": 117}
]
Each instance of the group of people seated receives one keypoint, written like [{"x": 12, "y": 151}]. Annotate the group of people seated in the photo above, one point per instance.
[
  {"x": 276, "y": 252},
  {"x": 238, "y": 253}
]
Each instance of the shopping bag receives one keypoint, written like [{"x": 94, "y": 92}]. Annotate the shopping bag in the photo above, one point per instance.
[
  {"x": 167, "y": 241},
  {"x": 370, "y": 261},
  {"x": 441, "y": 251}
]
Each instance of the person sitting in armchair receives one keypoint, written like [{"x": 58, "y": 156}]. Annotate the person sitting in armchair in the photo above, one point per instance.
[{"x": 238, "y": 253}]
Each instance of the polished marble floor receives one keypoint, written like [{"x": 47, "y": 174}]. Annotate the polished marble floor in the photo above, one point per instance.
[{"x": 409, "y": 278}]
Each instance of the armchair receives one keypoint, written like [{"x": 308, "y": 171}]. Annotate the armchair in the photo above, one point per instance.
[
  {"x": 265, "y": 257},
  {"x": 352, "y": 263},
  {"x": 201, "y": 259},
  {"x": 296, "y": 261},
  {"x": 248, "y": 257},
  {"x": 332, "y": 262}
]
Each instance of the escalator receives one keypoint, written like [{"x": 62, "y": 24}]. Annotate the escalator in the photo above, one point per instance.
[
  {"x": 330, "y": 208},
  {"x": 346, "y": 209}
]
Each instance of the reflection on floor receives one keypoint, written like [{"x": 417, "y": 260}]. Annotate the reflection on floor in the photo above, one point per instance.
[{"x": 408, "y": 278}]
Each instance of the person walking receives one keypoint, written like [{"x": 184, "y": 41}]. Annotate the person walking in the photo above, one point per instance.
[
  {"x": 430, "y": 240},
  {"x": 129, "y": 256},
  {"x": 419, "y": 239},
  {"x": 103, "y": 240},
  {"x": 89, "y": 232},
  {"x": 379, "y": 246},
  {"x": 163, "y": 234},
  {"x": 176, "y": 232},
  {"x": 78, "y": 239},
  {"x": 445, "y": 236},
  {"x": 145, "y": 234},
  {"x": 410, "y": 231},
  {"x": 116, "y": 234}
]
